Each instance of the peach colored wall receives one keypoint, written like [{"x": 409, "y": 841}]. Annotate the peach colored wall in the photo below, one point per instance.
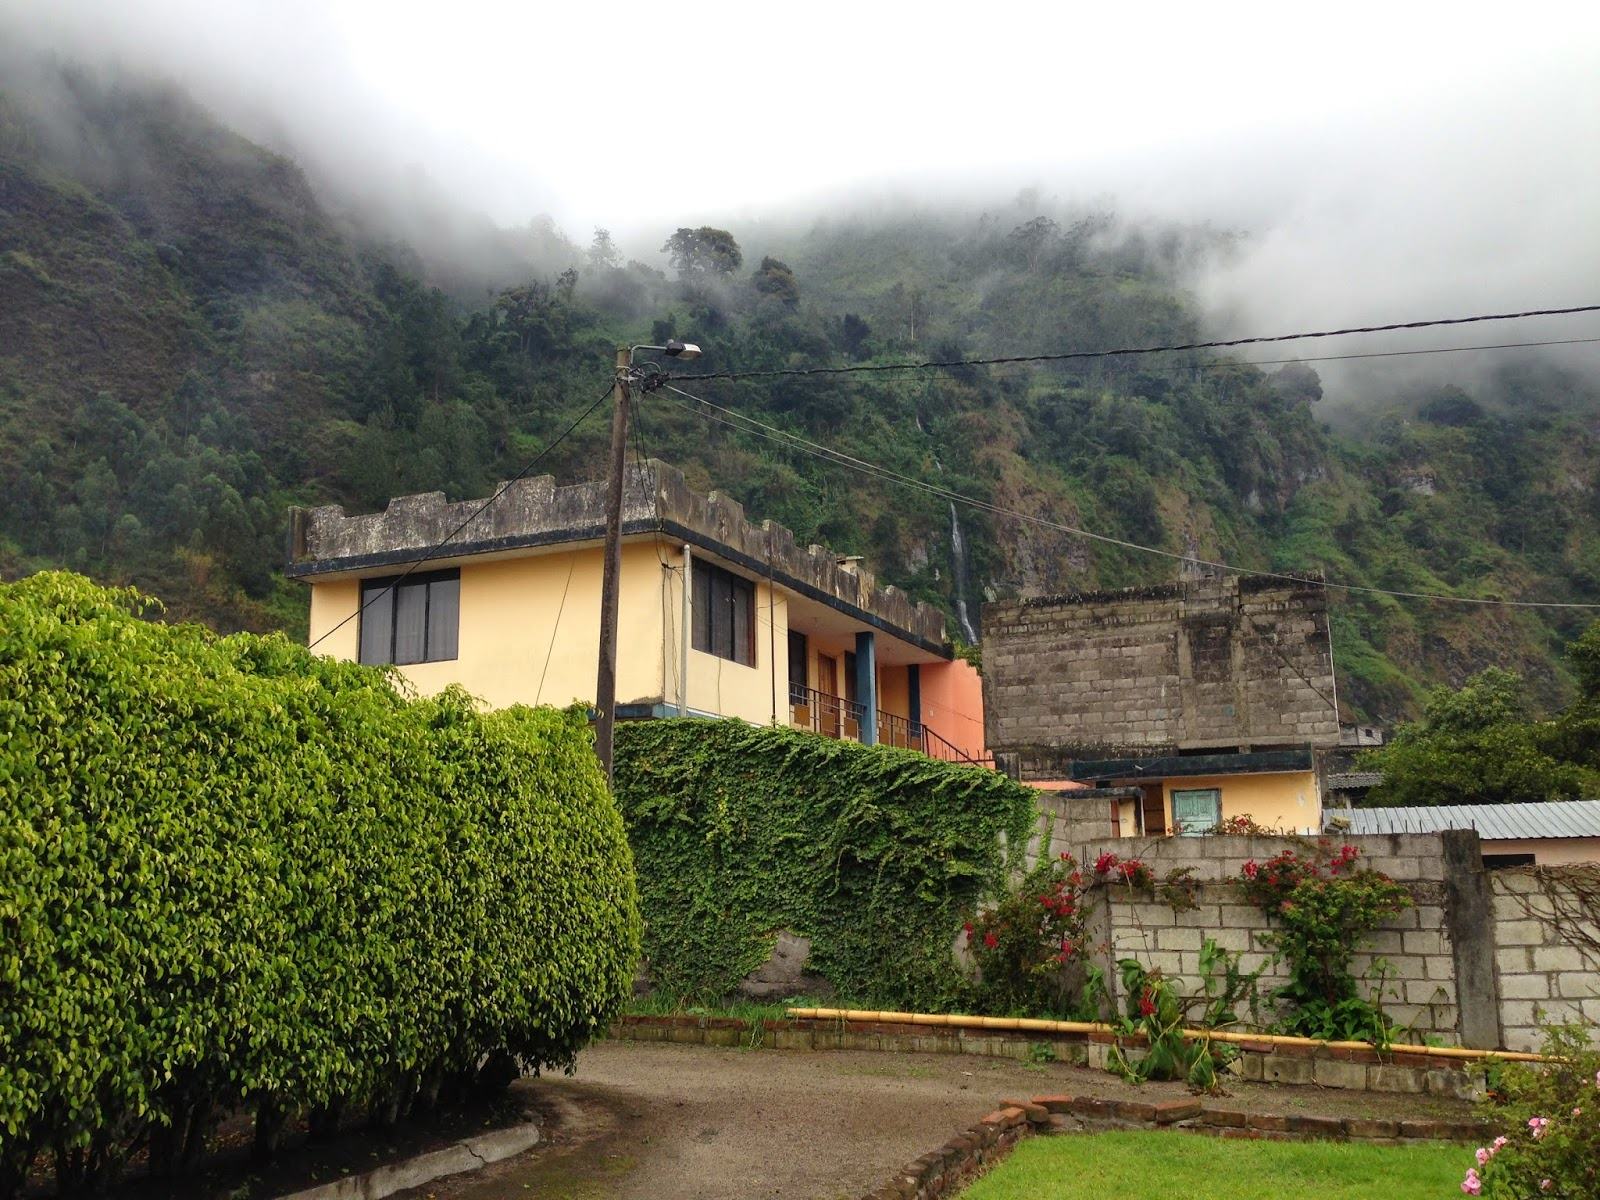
[
  {"x": 952, "y": 705},
  {"x": 894, "y": 690},
  {"x": 1548, "y": 851}
]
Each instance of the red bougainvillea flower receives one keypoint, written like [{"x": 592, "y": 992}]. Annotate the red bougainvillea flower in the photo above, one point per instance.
[
  {"x": 967, "y": 928},
  {"x": 1251, "y": 870},
  {"x": 990, "y": 940},
  {"x": 1104, "y": 863},
  {"x": 1147, "y": 1004}
]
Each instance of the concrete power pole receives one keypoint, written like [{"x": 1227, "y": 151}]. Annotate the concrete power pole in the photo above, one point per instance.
[{"x": 605, "y": 701}]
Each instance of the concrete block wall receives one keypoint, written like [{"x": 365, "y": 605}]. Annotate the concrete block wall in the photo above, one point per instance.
[
  {"x": 1417, "y": 946},
  {"x": 1212, "y": 663},
  {"x": 1544, "y": 969}
]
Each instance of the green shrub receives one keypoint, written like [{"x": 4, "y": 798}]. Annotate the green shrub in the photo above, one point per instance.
[
  {"x": 233, "y": 873},
  {"x": 877, "y": 855}
]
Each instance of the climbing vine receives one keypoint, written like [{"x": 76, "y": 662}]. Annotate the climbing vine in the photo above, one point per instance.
[{"x": 877, "y": 855}]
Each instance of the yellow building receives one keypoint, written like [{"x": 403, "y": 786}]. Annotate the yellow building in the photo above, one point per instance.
[
  {"x": 1279, "y": 789},
  {"x": 718, "y": 617}
]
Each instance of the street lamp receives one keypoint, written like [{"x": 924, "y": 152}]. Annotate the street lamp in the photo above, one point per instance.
[{"x": 605, "y": 699}]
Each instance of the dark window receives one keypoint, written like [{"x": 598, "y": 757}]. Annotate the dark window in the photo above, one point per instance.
[
  {"x": 410, "y": 621},
  {"x": 724, "y": 605},
  {"x": 1494, "y": 862}
]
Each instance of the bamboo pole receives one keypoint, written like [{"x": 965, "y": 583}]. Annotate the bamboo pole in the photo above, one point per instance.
[{"x": 1037, "y": 1025}]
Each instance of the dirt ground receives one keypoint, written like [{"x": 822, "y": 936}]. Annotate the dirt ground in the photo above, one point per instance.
[{"x": 679, "y": 1122}]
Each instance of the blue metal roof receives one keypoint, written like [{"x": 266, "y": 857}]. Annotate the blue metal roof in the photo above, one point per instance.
[{"x": 1494, "y": 822}]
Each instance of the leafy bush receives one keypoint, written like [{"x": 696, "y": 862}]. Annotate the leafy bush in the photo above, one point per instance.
[
  {"x": 232, "y": 873},
  {"x": 1324, "y": 907},
  {"x": 1024, "y": 946},
  {"x": 877, "y": 855},
  {"x": 1549, "y": 1121},
  {"x": 1159, "y": 1013}
]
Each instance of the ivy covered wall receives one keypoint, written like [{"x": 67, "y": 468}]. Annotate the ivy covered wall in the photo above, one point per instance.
[{"x": 876, "y": 855}]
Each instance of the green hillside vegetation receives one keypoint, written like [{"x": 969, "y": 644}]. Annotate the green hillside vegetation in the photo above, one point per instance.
[{"x": 189, "y": 343}]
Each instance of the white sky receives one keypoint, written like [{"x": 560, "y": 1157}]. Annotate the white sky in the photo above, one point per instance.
[{"x": 1383, "y": 156}]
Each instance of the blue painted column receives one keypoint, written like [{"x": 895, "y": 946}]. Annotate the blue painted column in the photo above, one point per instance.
[{"x": 867, "y": 686}]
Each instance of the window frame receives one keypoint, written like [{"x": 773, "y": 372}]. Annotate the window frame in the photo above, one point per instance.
[
  {"x": 435, "y": 635},
  {"x": 739, "y": 593},
  {"x": 1178, "y": 826}
]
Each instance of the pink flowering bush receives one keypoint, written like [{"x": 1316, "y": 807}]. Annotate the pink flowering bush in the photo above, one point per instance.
[{"x": 1550, "y": 1120}]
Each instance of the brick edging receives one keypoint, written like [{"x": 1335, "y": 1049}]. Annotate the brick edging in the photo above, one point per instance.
[{"x": 946, "y": 1170}]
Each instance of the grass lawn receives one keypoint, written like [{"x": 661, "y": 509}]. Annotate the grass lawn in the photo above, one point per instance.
[{"x": 1183, "y": 1166}]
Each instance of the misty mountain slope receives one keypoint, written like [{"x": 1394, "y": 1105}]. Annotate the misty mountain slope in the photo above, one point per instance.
[{"x": 190, "y": 341}]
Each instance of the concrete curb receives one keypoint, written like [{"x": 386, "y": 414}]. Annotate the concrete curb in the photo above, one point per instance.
[{"x": 470, "y": 1154}]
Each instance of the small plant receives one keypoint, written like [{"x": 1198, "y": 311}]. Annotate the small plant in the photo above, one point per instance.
[
  {"x": 1549, "y": 1120},
  {"x": 1176, "y": 888},
  {"x": 1324, "y": 907},
  {"x": 1040, "y": 1054},
  {"x": 1024, "y": 946},
  {"x": 1244, "y": 825},
  {"x": 1159, "y": 1013}
]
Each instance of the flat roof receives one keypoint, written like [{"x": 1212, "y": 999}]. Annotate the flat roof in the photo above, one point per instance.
[
  {"x": 532, "y": 514},
  {"x": 1170, "y": 766}
]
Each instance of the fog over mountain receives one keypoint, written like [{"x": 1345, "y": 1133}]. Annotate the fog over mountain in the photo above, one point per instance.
[
  {"x": 1382, "y": 165},
  {"x": 258, "y": 254}
]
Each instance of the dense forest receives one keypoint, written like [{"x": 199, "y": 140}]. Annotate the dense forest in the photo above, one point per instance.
[{"x": 193, "y": 339}]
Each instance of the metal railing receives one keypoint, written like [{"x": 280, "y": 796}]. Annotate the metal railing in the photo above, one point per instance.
[
  {"x": 836, "y": 717},
  {"x": 831, "y": 716}
]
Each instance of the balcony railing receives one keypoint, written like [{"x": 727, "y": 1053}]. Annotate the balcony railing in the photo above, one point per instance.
[
  {"x": 831, "y": 716},
  {"x": 834, "y": 716}
]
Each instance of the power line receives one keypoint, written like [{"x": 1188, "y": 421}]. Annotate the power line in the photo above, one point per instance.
[
  {"x": 839, "y": 458},
  {"x": 1072, "y": 355},
  {"x": 471, "y": 517}
]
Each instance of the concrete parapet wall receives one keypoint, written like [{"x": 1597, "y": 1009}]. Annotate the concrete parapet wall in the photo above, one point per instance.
[{"x": 535, "y": 512}]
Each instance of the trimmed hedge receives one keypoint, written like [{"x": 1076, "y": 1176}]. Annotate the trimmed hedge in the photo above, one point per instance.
[
  {"x": 877, "y": 855},
  {"x": 233, "y": 873}
]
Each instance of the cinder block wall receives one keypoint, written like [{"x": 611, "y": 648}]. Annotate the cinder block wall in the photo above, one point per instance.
[
  {"x": 1543, "y": 951},
  {"x": 1208, "y": 663},
  {"x": 1417, "y": 944}
]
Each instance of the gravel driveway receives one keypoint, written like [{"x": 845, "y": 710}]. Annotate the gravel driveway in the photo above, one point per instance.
[{"x": 658, "y": 1121}]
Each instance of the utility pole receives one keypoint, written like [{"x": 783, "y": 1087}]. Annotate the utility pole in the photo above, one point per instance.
[{"x": 605, "y": 701}]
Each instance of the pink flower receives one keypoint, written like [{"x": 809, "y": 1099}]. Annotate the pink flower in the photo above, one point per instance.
[
  {"x": 1544, "y": 1185},
  {"x": 1484, "y": 1155},
  {"x": 1499, "y": 1143},
  {"x": 1536, "y": 1125},
  {"x": 1472, "y": 1185}
]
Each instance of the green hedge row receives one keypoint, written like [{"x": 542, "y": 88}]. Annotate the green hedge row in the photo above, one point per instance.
[
  {"x": 877, "y": 855},
  {"x": 234, "y": 873}
]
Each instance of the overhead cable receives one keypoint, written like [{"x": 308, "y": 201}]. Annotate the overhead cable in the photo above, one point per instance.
[
  {"x": 839, "y": 458},
  {"x": 1075, "y": 355}
]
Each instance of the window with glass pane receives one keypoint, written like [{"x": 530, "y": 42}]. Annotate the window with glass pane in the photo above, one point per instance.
[
  {"x": 410, "y": 620},
  {"x": 1195, "y": 810},
  {"x": 723, "y": 606}
]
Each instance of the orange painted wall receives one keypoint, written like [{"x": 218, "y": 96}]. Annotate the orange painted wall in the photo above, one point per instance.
[{"x": 952, "y": 705}]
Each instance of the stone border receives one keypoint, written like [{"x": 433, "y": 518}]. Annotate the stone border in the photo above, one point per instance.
[
  {"x": 946, "y": 1170},
  {"x": 469, "y": 1154},
  {"x": 1258, "y": 1062}
]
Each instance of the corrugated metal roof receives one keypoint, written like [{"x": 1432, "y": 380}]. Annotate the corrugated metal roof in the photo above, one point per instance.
[
  {"x": 1494, "y": 822},
  {"x": 1342, "y": 781}
]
